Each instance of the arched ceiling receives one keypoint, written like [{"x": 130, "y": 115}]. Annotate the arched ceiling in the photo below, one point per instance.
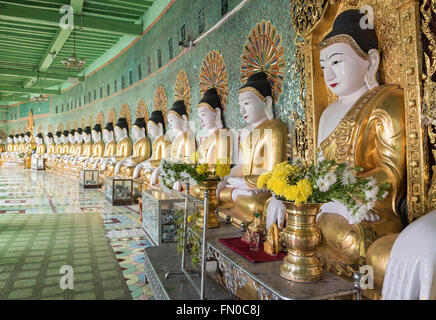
[{"x": 32, "y": 43}]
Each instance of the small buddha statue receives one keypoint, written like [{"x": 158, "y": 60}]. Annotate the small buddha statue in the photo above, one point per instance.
[
  {"x": 272, "y": 242},
  {"x": 29, "y": 143},
  {"x": 68, "y": 146},
  {"x": 216, "y": 144},
  {"x": 10, "y": 147},
  {"x": 124, "y": 147},
  {"x": 21, "y": 144},
  {"x": 263, "y": 146},
  {"x": 40, "y": 146},
  {"x": 255, "y": 226},
  {"x": 183, "y": 142},
  {"x": 97, "y": 147},
  {"x": 141, "y": 150},
  {"x": 87, "y": 148},
  {"x": 54, "y": 157},
  {"x": 110, "y": 148},
  {"x": 16, "y": 144},
  {"x": 51, "y": 146},
  {"x": 161, "y": 146}
]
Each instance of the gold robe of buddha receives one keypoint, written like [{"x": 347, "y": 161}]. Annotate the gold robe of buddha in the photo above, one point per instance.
[
  {"x": 261, "y": 151},
  {"x": 86, "y": 154},
  {"x": 67, "y": 150},
  {"x": 51, "y": 148},
  {"x": 141, "y": 152},
  {"x": 161, "y": 150},
  {"x": 183, "y": 147},
  {"x": 109, "y": 151},
  {"x": 123, "y": 150},
  {"x": 21, "y": 147},
  {"x": 371, "y": 136},
  {"x": 2, "y": 148},
  {"x": 97, "y": 151},
  {"x": 10, "y": 147},
  {"x": 41, "y": 149},
  {"x": 16, "y": 147}
]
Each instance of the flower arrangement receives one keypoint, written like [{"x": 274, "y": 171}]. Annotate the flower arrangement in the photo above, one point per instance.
[
  {"x": 171, "y": 172},
  {"x": 193, "y": 245},
  {"x": 323, "y": 182}
]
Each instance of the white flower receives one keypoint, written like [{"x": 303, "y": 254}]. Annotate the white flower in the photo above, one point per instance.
[
  {"x": 348, "y": 178},
  {"x": 372, "y": 182},
  {"x": 385, "y": 194},
  {"x": 371, "y": 195},
  {"x": 370, "y": 205},
  {"x": 359, "y": 216},
  {"x": 322, "y": 184},
  {"x": 331, "y": 178}
]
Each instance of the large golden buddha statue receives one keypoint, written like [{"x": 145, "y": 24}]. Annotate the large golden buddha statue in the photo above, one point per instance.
[
  {"x": 263, "y": 146},
  {"x": 54, "y": 157},
  {"x": 2, "y": 146},
  {"x": 123, "y": 150},
  {"x": 10, "y": 147},
  {"x": 97, "y": 147},
  {"x": 141, "y": 150},
  {"x": 21, "y": 143},
  {"x": 76, "y": 148},
  {"x": 29, "y": 143},
  {"x": 183, "y": 139},
  {"x": 160, "y": 150},
  {"x": 77, "y": 162},
  {"x": 110, "y": 148},
  {"x": 365, "y": 127},
  {"x": 68, "y": 148},
  {"x": 41, "y": 148},
  {"x": 50, "y": 146},
  {"x": 16, "y": 143},
  {"x": 216, "y": 144}
]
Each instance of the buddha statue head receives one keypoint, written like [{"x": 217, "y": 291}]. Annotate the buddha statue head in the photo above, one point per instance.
[
  {"x": 71, "y": 136},
  {"x": 39, "y": 139},
  {"x": 57, "y": 137},
  {"x": 96, "y": 133},
  {"x": 178, "y": 117},
  {"x": 65, "y": 136},
  {"x": 27, "y": 138},
  {"x": 10, "y": 139},
  {"x": 209, "y": 110},
  {"x": 121, "y": 129},
  {"x": 78, "y": 135},
  {"x": 49, "y": 138},
  {"x": 21, "y": 138},
  {"x": 255, "y": 99},
  {"x": 349, "y": 56},
  {"x": 156, "y": 124},
  {"x": 138, "y": 129},
  {"x": 108, "y": 132},
  {"x": 17, "y": 138},
  {"x": 86, "y": 134}
]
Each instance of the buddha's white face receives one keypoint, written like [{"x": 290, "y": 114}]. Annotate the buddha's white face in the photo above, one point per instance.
[
  {"x": 207, "y": 117},
  {"x": 48, "y": 140},
  {"x": 86, "y": 137},
  {"x": 108, "y": 135},
  {"x": 56, "y": 139},
  {"x": 38, "y": 140},
  {"x": 64, "y": 139},
  {"x": 253, "y": 109},
  {"x": 174, "y": 122},
  {"x": 96, "y": 136},
  {"x": 153, "y": 129},
  {"x": 138, "y": 133},
  {"x": 120, "y": 133},
  {"x": 16, "y": 140},
  {"x": 78, "y": 137},
  {"x": 26, "y": 138},
  {"x": 71, "y": 138},
  {"x": 344, "y": 71},
  {"x": 21, "y": 139},
  {"x": 9, "y": 139}
]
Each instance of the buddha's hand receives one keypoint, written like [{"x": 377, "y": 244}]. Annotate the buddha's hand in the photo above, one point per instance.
[
  {"x": 177, "y": 186},
  {"x": 340, "y": 209},
  {"x": 137, "y": 170},
  {"x": 104, "y": 164},
  {"x": 223, "y": 183},
  {"x": 275, "y": 213},
  {"x": 118, "y": 166},
  {"x": 154, "y": 176}
]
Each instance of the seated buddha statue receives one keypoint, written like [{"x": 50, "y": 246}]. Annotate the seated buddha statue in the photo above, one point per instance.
[
  {"x": 160, "y": 147},
  {"x": 365, "y": 127},
  {"x": 97, "y": 147},
  {"x": 123, "y": 150},
  {"x": 41, "y": 148},
  {"x": 22, "y": 143},
  {"x": 16, "y": 144},
  {"x": 68, "y": 147},
  {"x": 216, "y": 143},
  {"x": 29, "y": 143},
  {"x": 2, "y": 146},
  {"x": 51, "y": 146},
  {"x": 183, "y": 140},
  {"x": 141, "y": 150},
  {"x": 110, "y": 148},
  {"x": 54, "y": 157},
  {"x": 263, "y": 146},
  {"x": 86, "y": 151},
  {"x": 10, "y": 146}
]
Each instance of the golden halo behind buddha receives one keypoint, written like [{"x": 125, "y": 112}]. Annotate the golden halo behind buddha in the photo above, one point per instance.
[
  {"x": 99, "y": 119},
  {"x": 112, "y": 116},
  {"x": 182, "y": 90},
  {"x": 213, "y": 74},
  {"x": 125, "y": 113},
  {"x": 161, "y": 101},
  {"x": 264, "y": 52},
  {"x": 142, "y": 111}
]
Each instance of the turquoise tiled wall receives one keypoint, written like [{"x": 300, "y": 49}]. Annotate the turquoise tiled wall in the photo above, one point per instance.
[{"x": 229, "y": 39}]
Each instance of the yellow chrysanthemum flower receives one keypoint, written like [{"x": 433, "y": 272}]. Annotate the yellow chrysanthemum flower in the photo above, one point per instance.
[
  {"x": 202, "y": 168},
  {"x": 305, "y": 188},
  {"x": 189, "y": 219},
  {"x": 263, "y": 179},
  {"x": 222, "y": 170}
]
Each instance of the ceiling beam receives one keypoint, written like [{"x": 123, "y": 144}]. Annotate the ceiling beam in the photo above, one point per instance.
[
  {"x": 10, "y": 12},
  {"x": 28, "y": 90},
  {"x": 30, "y": 74}
]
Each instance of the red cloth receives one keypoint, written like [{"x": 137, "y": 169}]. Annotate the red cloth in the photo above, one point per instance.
[{"x": 239, "y": 246}]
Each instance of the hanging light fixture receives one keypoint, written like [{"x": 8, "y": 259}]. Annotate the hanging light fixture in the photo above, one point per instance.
[
  {"x": 40, "y": 98},
  {"x": 72, "y": 63}
]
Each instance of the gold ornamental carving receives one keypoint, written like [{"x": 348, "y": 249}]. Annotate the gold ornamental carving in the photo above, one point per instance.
[
  {"x": 75, "y": 125},
  {"x": 39, "y": 130},
  {"x": 112, "y": 116},
  {"x": 50, "y": 128},
  {"x": 141, "y": 110},
  {"x": 125, "y": 113},
  {"x": 182, "y": 90},
  {"x": 83, "y": 123},
  {"x": 99, "y": 119},
  {"x": 213, "y": 74},
  {"x": 60, "y": 127},
  {"x": 161, "y": 101},
  {"x": 90, "y": 120},
  {"x": 13, "y": 132},
  {"x": 264, "y": 52},
  {"x": 68, "y": 127}
]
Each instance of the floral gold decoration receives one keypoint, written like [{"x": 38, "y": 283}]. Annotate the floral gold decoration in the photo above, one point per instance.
[
  {"x": 68, "y": 127},
  {"x": 75, "y": 125},
  {"x": 141, "y": 110},
  {"x": 60, "y": 127},
  {"x": 90, "y": 120},
  {"x": 264, "y": 52},
  {"x": 213, "y": 74},
  {"x": 99, "y": 119},
  {"x": 125, "y": 113},
  {"x": 83, "y": 122},
  {"x": 182, "y": 90},
  {"x": 39, "y": 130},
  {"x": 50, "y": 128},
  {"x": 161, "y": 101},
  {"x": 112, "y": 116}
]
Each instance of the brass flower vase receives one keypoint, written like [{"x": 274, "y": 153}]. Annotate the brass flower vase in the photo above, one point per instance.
[
  {"x": 212, "y": 219},
  {"x": 301, "y": 238}
]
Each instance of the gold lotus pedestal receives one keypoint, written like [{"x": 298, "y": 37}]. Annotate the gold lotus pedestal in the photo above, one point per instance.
[
  {"x": 212, "y": 219},
  {"x": 301, "y": 239}
]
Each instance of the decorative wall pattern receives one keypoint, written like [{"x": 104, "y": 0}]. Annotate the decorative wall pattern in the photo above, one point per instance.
[{"x": 181, "y": 21}]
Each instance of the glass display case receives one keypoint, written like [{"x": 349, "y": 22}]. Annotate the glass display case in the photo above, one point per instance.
[
  {"x": 159, "y": 215},
  {"x": 138, "y": 185},
  {"x": 118, "y": 191},
  {"x": 89, "y": 178},
  {"x": 37, "y": 164}
]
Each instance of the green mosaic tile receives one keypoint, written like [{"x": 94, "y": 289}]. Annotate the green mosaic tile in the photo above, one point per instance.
[
  {"x": 24, "y": 283},
  {"x": 20, "y": 294}
]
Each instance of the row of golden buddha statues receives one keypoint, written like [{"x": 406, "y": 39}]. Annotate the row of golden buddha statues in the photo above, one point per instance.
[{"x": 364, "y": 127}]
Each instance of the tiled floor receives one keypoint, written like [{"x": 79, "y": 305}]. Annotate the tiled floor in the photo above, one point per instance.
[{"x": 37, "y": 192}]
